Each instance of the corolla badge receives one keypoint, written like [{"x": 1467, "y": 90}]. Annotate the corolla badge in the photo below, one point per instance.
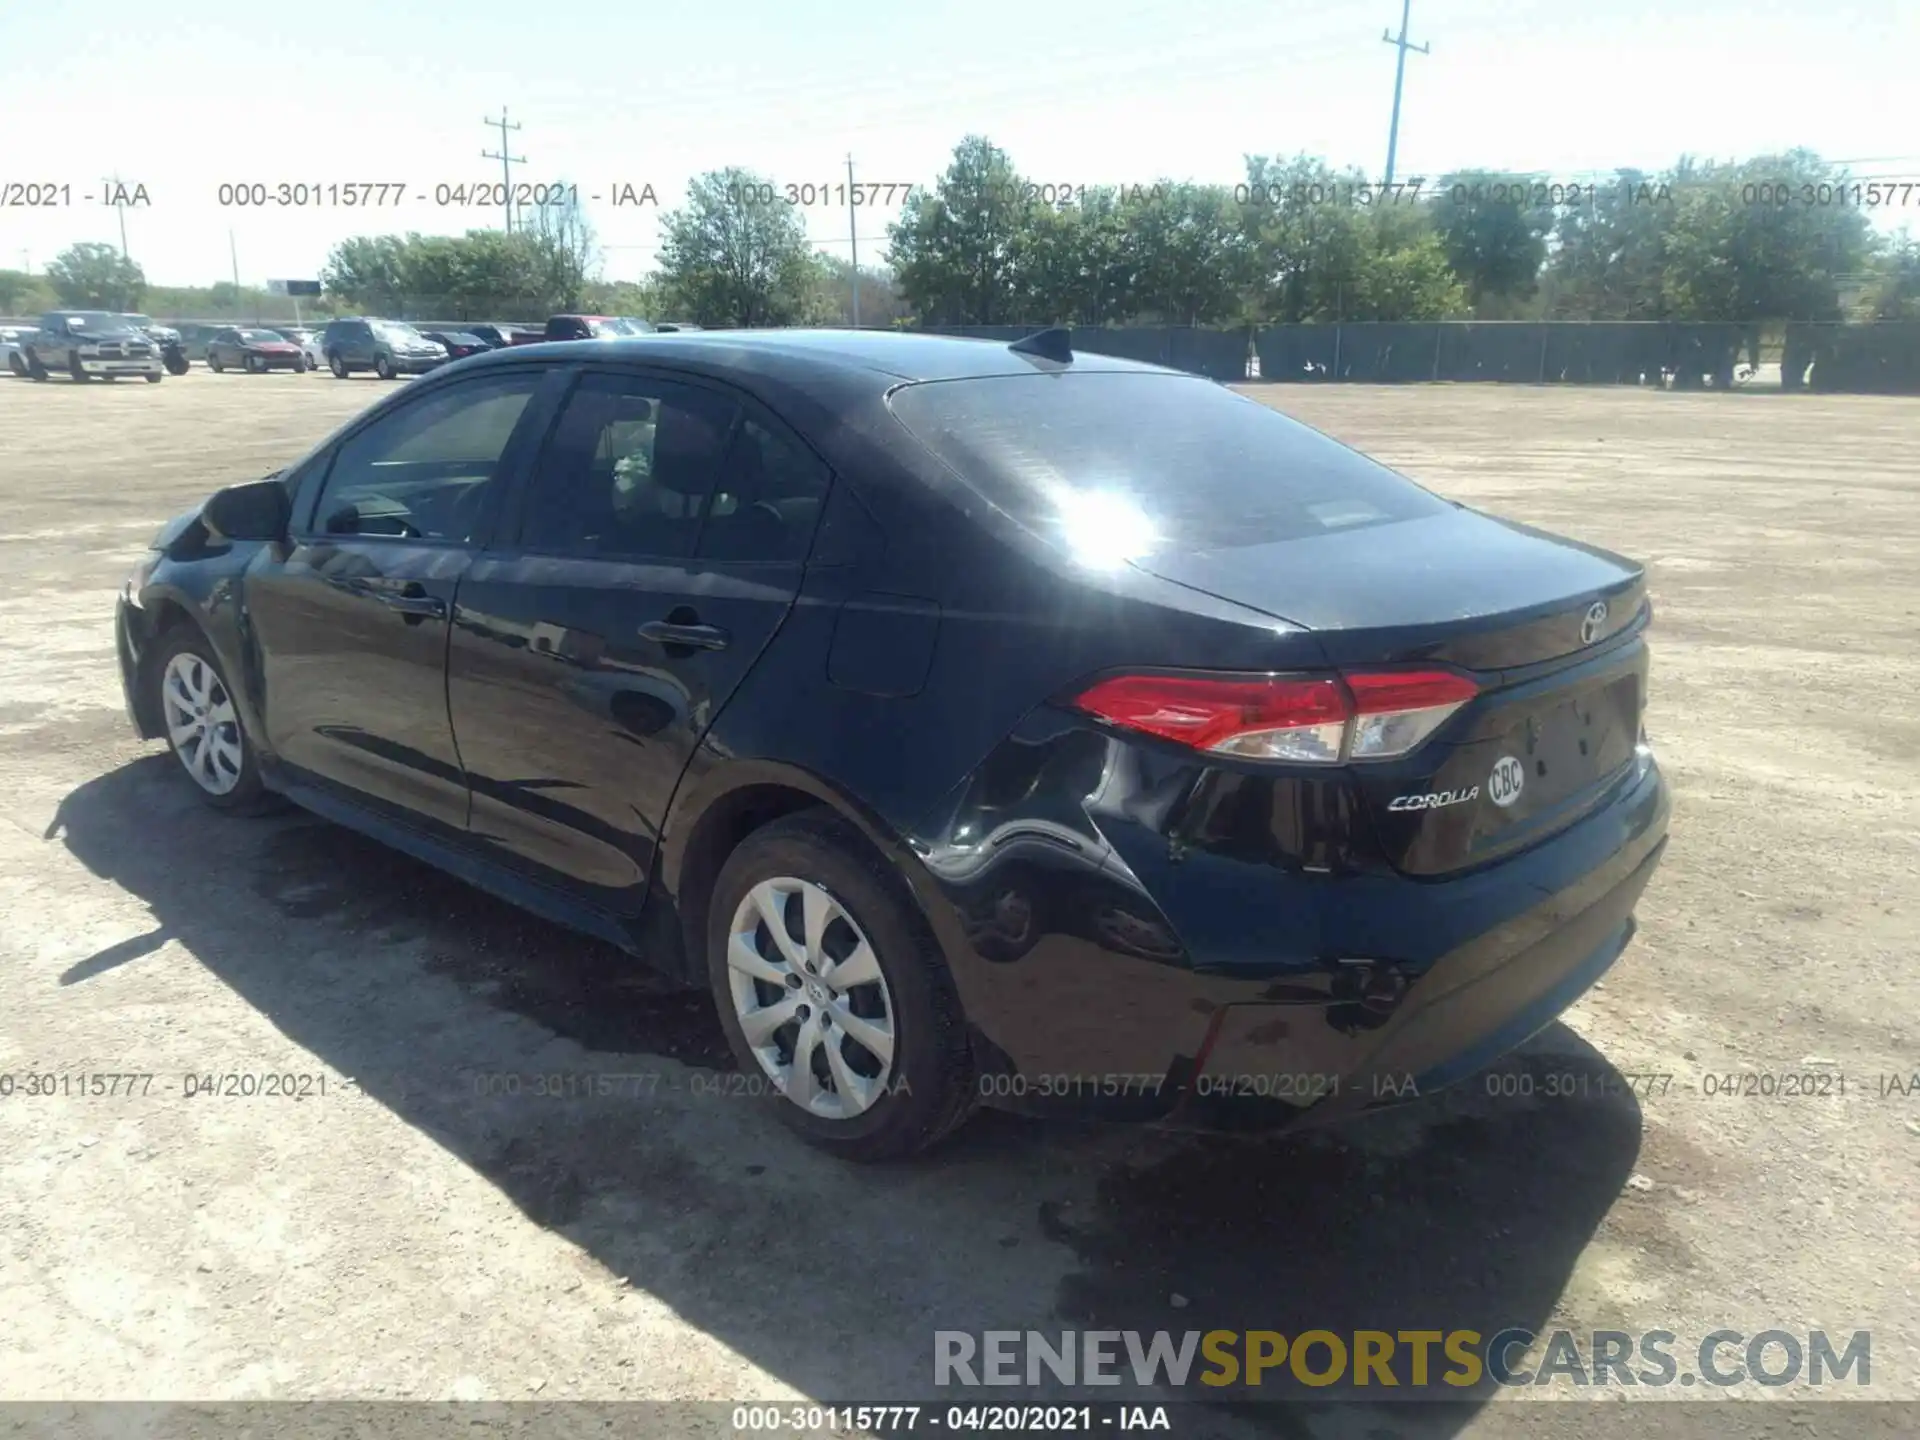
[
  {"x": 1594, "y": 622},
  {"x": 1434, "y": 800},
  {"x": 1504, "y": 784}
]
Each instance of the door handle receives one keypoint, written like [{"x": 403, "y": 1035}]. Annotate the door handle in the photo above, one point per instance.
[
  {"x": 690, "y": 636},
  {"x": 409, "y": 597},
  {"x": 426, "y": 605}
]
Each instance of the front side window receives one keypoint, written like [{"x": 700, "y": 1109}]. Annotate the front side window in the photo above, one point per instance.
[
  {"x": 423, "y": 471},
  {"x": 630, "y": 469}
]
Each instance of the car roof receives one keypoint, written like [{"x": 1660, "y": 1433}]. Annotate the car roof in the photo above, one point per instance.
[{"x": 790, "y": 356}]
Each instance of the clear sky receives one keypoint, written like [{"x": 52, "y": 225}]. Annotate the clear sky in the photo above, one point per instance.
[{"x": 183, "y": 95}]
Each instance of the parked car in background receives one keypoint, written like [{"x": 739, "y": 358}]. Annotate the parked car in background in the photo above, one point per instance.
[
  {"x": 160, "y": 334},
  {"x": 670, "y": 327},
  {"x": 459, "y": 343},
  {"x": 12, "y": 340},
  {"x": 389, "y": 348},
  {"x": 595, "y": 327},
  {"x": 308, "y": 339},
  {"x": 1311, "y": 775},
  {"x": 194, "y": 336},
  {"x": 91, "y": 344},
  {"x": 499, "y": 337},
  {"x": 173, "y": 352},
  {"x": 255, "y": 351}
]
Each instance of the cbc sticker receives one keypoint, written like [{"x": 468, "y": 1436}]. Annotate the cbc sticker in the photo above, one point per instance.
[{"x": 1503, "y": 785}]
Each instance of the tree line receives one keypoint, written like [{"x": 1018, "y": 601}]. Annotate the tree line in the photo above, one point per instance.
[{"x": 1776, "y": 237}]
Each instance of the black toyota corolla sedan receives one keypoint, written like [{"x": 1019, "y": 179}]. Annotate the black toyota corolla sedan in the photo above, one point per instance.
[{"x": 981, "y": 723}]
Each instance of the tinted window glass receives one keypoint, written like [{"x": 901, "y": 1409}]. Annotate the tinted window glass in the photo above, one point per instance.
[
  {"x": 768, "y": 499},
  {"x": 629, "y": 470},
  {"x": 1151, "y": 463},
  {"x": 422, "y": 471}
]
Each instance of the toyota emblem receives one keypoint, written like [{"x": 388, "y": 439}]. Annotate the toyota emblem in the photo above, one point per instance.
[{"x": 1594, "y": 623}]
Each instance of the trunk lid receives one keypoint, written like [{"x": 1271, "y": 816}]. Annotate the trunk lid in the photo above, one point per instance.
[{"x": 1549, "y": 627}]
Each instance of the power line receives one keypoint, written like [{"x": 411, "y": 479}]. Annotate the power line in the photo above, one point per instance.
[
  {"x": 507, "y": 161},
  {"x": 1399, "y": 78}
]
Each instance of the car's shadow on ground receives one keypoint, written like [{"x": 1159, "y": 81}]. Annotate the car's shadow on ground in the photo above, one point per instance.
[{"x": 1463, "y": 1211}]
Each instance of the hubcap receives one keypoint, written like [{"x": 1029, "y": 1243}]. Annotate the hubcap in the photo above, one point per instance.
[
  {"x": 202, "y": 725},
  {"x": 808, "y": 992}
]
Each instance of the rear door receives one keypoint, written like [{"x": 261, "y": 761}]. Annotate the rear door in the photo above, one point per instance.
[
  {"x": 351, "y": 621},
  {"x": 659, "y": 546}
]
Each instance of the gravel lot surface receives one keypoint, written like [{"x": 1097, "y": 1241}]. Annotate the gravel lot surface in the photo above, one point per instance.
[{"x": 409, "y": 1235}]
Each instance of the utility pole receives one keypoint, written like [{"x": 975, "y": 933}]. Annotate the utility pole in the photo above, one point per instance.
[
  {"x": 853, "y": 242},
  {"x": 233, "y": 254},
  {"x": 1399, "y": 76},
  {"x": 507, "y": 162},
  {"x": 120, "y": 204}
]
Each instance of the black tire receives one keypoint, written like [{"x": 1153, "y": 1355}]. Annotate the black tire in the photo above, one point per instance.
[
  {"x": 17, "y": 365},
  {"x": 214, "y": 362},
  {"x": 930, "y": 1089},
  {"x": 176, "y": 363},
  {"x": 74, "y": 368},
  {"x": 155, "y": 378},
  {"x": 36, "y": 370},
  {"x": 249, "y": 796},
  {"x": 338, "y": 367},
  {"x": 383, "y": 367},
  {"x": 300, "y": 365},
  {"x": 254, "y": 365}
]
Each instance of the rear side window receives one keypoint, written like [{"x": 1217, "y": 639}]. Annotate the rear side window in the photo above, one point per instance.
[
  {"x": 768, "y": 499},
  {"x": 629, "y": 470},
  {"x": 1153, "y": 463}
]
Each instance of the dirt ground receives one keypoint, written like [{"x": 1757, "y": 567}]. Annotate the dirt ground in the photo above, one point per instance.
[{"x": 410, "y": 1235}]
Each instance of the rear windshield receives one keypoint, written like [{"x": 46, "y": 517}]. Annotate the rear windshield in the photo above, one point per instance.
[{"x": 1150, "y": 463}]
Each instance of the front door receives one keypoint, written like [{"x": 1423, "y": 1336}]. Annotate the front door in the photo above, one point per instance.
[
  {"x": 352, "y": 623},
  {"x": 660, "y": 545}
]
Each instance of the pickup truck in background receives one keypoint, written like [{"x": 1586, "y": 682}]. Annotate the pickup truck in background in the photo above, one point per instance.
[{"x": 86, "y": 344}]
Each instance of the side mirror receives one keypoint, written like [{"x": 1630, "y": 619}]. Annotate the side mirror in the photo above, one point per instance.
[{"x": 258, "y": 510}]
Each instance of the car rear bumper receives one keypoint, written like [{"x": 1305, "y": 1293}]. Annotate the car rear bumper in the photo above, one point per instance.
[{"x": 1162, "y": 980}]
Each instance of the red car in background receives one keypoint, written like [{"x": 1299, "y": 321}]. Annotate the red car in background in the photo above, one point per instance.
[{"x": 255, "y": 351}]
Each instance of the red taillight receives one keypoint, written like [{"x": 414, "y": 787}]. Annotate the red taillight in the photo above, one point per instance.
[{"x": 1311, "y": 719}]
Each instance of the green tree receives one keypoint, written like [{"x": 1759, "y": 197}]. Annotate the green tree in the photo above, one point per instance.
[
  {"x": 96, "y": 277},
  {"x": 367, "y": 272},
  {"x": 566, "y": 253},
  {"x": 1189, "y": 255},
  {"x": 22, "y": 293},
  {"x": 957, "y": 247},
  {"x": 626, "y": 297},
  {"x": 1608, "y": 253},
  {"x": 1895, "y": 293},
  {"x": 1493, "y": 227},
  {"x": 1305, "y": 246},
  {"x": 881, "y": 304},
  {"x": 728, "y": 260},
  {"x": 1407, "y": 279},
  {"x": 1767, "y": 239}
]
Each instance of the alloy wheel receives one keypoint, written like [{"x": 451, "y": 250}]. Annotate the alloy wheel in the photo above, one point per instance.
[
  {"x": 202, "y": 725},
  {"x": 810, "y": 997}
]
